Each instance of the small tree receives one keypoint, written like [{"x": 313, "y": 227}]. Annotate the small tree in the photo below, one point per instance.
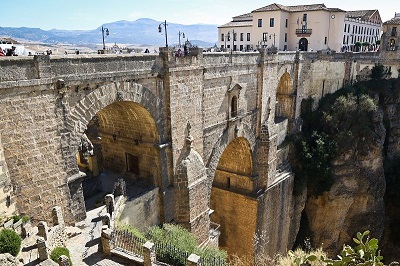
[
  {"x": 10, "y": 242},
  {"x": 358, "y": 46},
  {"x": 365, "y": 45},
  {"x": 379, "y": 72}
]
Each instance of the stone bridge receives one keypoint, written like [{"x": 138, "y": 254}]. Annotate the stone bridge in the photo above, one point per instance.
[{"x": 207, "y": 130}]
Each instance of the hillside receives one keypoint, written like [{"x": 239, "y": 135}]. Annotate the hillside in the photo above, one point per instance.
[{"x": 142, "y": 31}]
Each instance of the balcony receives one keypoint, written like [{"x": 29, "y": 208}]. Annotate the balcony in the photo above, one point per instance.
[{"x": 303, "y": 32}]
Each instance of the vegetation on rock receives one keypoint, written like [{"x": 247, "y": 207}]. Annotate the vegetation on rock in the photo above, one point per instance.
[{"x": 57, "y": 252}]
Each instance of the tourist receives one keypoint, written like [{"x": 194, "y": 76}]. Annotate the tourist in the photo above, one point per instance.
[
  {"x": 11, "y": 52},
  {"x": 1, "y": 52}
]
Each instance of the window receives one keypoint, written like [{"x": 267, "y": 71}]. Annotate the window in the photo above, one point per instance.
[
  {"x": 286, "y": 23},
  {"x": 228, "y": 182},
  {"x": 344, "y": 39},
  {"x": 241, "y": 47},
  {"x": 248, "y": 37},
  {"x": 222, "y": 46},
  {"x": 222, "y": 37},
  {"x": 353, "y": 28},
  {"x": 271, "y": 22},
  {"x": 234, "y": 106},
  {"x": 285, "y": 37},
  {"x": 265, "y": 36},
  {"x": 345, "y": 27},
  {"x": 326, "y": 40},
  {"x": 248, "y": 47},
  {"x": 304, "y": 17},
  {"x": 228, "y": 36},
  {"x": 132, "y": 163},
  {"x": 234, "y": 37},
  {"x": 259, "y": 22},
  {"x": 393, "y": 33},
  {"x": 241, "y": 37}
]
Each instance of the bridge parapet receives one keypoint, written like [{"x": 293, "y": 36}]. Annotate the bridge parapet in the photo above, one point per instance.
[{"x": 68, "y": 67}]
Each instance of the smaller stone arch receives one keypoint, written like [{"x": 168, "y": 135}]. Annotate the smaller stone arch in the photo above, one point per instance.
[
  {"x": 285, "y": 97},
  {"x": 233, "y": 100}
]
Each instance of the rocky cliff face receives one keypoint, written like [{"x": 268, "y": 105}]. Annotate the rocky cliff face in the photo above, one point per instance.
[
  {"x": 355, "y": 200},
  {"x": 358, "y": 199}
]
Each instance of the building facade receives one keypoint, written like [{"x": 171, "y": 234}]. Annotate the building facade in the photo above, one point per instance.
[
  {"x": 391, "y": 35},
  {"x": 363, "y": 27},
  {"x": 302, "y": 27}
]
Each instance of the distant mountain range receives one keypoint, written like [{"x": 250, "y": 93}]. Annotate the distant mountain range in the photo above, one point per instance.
[{"x": 143, "y": 31}]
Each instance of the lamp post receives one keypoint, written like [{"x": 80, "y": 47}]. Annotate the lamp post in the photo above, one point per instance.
[
  {"x": 165, "y": 28},
  {"x": 107, "y": 33},
  {"x": 233, "y": 40},
  {"x": 183, "y": 36}
]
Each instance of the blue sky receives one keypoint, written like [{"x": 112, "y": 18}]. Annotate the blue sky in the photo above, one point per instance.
[{"x": 90, "y": 14}]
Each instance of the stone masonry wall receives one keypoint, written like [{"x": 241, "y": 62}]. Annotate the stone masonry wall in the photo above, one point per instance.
[
  {"x": 47, "y": 102},
  {"x": 237, "y": 213},
  {"x": 31, "y": 142}
]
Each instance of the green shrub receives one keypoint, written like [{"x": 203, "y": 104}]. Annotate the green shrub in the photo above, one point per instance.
[
  {"x": 10, "y": 242},
  {"x": 25, "y": 218},
  {"x": 365, "y": 253},
  {"x": 57, "y": 252}
]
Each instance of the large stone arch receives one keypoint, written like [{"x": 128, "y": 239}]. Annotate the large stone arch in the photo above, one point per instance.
[
  {"x": 244, "y": 131},
  {"x": 136, "y": 100},
  {"x": 83, "y": 111},
  {"x": 233, "y": 198}
]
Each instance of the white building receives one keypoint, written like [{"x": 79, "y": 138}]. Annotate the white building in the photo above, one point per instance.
[
  {"x": 363, "y": 26},
  {"x": 302, "y": 27}
]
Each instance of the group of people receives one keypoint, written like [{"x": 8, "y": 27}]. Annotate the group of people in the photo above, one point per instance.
[
  {"x": 8, "y": 52},
  {"x": 185, "y": 51}
]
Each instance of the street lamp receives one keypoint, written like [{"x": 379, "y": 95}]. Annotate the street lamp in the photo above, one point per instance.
[
  {"x": 165, "y": 28},
  {"x": 107, "y": 33},
  {"x": 183, "y": 36}
]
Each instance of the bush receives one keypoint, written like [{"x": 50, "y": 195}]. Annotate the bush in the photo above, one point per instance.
[
  {"x": 57, "y": 252},
  {"x": 174, "y": 244},
  {"x": 10, "y": 242},
  {"x": 25, "y": 218}
]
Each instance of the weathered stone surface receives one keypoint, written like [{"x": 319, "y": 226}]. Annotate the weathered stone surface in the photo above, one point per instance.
[
  {"x": 142, "y": 105},
  {"x": 8, "y": 260}
]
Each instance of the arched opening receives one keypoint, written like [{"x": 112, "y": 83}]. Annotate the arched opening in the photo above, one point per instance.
[
  {"x": 392, "y": 44},
  {"x": 120, "y": 142},
  {"x": 303, "y": 44},
  {"x": 284, "y": 108},
  {"x": 234, "y": 106},
  {"x": 284, "y": 97},
  {"x": 235, "y": 207}
]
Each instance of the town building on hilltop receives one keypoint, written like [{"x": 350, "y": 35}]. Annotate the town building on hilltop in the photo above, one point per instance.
[
  {"x": 302, "y": 27},
  {"x": 391, "y": 36}
]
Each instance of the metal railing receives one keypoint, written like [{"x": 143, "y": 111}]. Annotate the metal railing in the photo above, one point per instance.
[
  {"x": 129, "y": 243},
  {"x": 303, "y": 31}
]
